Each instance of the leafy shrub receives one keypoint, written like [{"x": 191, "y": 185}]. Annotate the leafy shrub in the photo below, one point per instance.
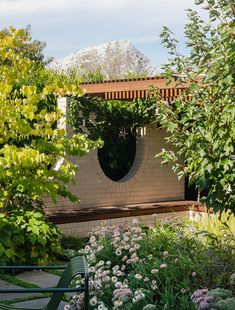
[
  {"x": 217, "y": 299},
  {"x": 26, "y": 238},
  {"x": 133, "y": 268},
  {"x": 217, "y": 232},
  {"x": 220, "y": 225},
  {"x": 71, "y": 245},
  {"x": 226, "y": 304},
  {"x": 74, "y": 243},
  {"x": 200, "y": 124},
  {"x": 34, "y": 151}
]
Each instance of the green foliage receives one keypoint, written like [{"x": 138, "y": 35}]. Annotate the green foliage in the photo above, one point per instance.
[
  {"x": 216, "y": 299},
  {"x": 27, "y": 239},
  {"x": 90, "y": 76},
  {"x": 71, "y": 245},
  {"x": 116, "y": 123},
  {"x": 137, "y": 268},
  {"x": 218, "y": 229},
  {"x": 97, "y": 116},
  {"x": 74, "y": 243},
  {"x": 30, "y": 141},
  {"x": 33, "y": 149},
  {"x": 29, "y": 49},
  {"x": 203, "y": 127},
  {"x": 227, "y": 304},
  {"x": 220, "y": 293}
]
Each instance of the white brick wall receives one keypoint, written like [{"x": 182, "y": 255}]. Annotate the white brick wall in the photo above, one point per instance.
[
  {"x": 146, "y": 182},
  {"x": 83, "y": 228}
]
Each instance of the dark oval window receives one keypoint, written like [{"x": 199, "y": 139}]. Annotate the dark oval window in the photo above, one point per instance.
[{"x": 117, "y": 155}]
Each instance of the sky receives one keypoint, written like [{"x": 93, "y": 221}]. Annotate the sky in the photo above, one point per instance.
[{"x": 68, "y": 25}]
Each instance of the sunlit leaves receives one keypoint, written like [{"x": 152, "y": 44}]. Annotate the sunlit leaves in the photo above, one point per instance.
[
  {"x": 30, "y": 141},
  {"x": 203, "y": 128}
]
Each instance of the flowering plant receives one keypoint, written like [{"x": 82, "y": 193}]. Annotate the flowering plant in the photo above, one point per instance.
[
  {"x": 135, "y": 268},
  {"x": 214, "y": 299}
]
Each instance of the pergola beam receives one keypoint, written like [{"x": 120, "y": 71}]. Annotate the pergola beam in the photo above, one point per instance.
[{"x": 129, "y": 89}]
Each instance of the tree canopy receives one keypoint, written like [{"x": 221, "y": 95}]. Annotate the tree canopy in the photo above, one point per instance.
[
  {"x": 201, "y": 123},
  {"x": 31, "y": 143}
]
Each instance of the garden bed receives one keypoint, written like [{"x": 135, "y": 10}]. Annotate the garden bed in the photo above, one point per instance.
[{"x": 137, "y": 268}]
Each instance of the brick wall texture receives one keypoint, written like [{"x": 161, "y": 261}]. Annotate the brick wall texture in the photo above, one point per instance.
[
  {"x": 146, "y": 182},
  {"x": 83, "y": 228}
]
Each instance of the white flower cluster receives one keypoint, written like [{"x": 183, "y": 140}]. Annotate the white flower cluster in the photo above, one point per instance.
[
  {"x": 124, "y": 243},
  {"x": 139, "y": 295}
]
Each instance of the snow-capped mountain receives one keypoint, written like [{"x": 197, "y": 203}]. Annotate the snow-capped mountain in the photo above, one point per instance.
[{"x": 115, "y": 59}]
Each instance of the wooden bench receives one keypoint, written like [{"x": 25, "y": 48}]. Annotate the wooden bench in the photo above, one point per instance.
[{"x": 77, "y": 266}]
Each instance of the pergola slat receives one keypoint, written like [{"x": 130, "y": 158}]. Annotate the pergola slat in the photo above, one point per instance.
[{"x": 134, "y": 88}]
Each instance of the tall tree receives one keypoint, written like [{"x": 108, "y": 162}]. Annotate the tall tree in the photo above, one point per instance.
[
  {"x": 201, "y": 123},
  {"x": 30, "y": 141}
]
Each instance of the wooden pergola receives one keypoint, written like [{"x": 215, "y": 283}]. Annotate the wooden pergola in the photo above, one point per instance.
[
  {"x": 128, "y": 89},
  {"x": 138, "y": 88}
]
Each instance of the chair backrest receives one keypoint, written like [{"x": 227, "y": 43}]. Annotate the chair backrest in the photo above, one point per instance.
[{"x": 77, "y": 266}]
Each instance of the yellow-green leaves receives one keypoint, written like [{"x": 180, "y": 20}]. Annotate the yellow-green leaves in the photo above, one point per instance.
[{"x": 30, "y": 142}]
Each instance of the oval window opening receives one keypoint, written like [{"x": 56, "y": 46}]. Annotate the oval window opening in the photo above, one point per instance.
[{"x": 117, "y": 155}]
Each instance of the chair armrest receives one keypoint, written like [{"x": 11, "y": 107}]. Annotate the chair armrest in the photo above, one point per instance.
[{"x": 43, "y": 290}]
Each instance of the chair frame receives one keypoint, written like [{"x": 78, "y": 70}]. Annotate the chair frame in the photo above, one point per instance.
[{"x": 77, "y": 266}]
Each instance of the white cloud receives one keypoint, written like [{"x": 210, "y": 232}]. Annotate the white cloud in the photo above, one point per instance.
[
  {"x": 15, "y": 7},
  {"x": 67, "y": 25},
  {"x": 157, "y": 7}
]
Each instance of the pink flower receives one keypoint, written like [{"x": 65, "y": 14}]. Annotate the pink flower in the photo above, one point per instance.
[
  {"x": 204, "y": 305},
  {"x": 120, "y": 292},
  {"x": 198, "y": 300},
  {"x": 123, "y": 267},
  {"x": 163, "y": 266},
  {"x": 118, "y": 284},
  {"x": 208, "y": 298}
]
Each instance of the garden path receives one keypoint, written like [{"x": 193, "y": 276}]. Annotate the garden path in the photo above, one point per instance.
[{"x": 32, "y": 300}]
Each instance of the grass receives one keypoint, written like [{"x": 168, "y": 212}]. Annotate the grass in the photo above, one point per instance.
[
  {"x": 217, "y": 224},
  {"x": 55, "y": 272},
  {"x": 20, "y": 299},
  {"x": 11, "y": 279},
  {"x": 24, "y": 284}
]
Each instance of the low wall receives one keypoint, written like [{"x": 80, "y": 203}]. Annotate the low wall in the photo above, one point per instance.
[{"x": 83, "y": 228}]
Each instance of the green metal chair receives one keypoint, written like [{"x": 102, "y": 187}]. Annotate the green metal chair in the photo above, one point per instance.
[{"x": 77, "y": 266}]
